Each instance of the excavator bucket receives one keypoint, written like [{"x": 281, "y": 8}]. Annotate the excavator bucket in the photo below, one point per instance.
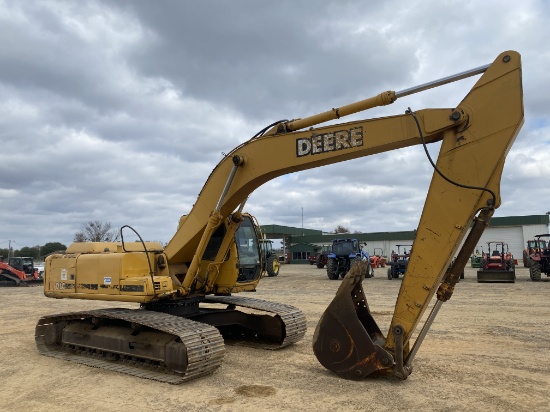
[{"x": 347, "y": 340}]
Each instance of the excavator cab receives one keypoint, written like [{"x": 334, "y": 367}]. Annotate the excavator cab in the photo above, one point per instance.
[{"x": 248, "y": 250}]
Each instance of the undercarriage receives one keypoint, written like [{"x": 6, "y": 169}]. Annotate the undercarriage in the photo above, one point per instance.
[{"x": 169, "y": 343}]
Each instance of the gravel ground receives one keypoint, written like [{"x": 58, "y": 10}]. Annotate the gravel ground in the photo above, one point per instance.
[{"x": 487, "y": 350}]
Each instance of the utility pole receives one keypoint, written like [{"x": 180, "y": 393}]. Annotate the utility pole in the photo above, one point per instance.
[{"x": 9, "y": 249}]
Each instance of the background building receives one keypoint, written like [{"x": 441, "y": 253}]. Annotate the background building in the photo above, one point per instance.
[{"x": 299, "y": 244}]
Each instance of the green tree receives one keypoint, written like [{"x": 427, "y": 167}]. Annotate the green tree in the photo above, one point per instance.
[
  {"x": 96, "y": 231},
  {"x": 28, "y": 251},
  {"x": 51, "y": 247},
  {"x": 341, "y": 229}
]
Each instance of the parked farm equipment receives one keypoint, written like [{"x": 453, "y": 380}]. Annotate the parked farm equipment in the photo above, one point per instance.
[
  {"x": 535, "y": 245},
  {"x": 320, "y": 259},
  {"x": 378, "y": 260},
  {"x": 539, "y": 260},
  {"x": 399, "y": 261},
  {"x": 270, "y": 261},
  {"x": 19, "y": 271},
  {"x": 344, "y": 254},
  {"x": 497, "y": 265},
  {"x": 477, "y": 256}
]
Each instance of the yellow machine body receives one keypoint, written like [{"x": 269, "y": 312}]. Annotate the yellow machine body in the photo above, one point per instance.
[{"x": 113, "y": 271}]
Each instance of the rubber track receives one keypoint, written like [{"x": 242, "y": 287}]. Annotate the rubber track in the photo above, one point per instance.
[
  {"x": 9, "y": 280},
  {"x": 293, "y": 318},
  {"x": 205, "y": 345}
]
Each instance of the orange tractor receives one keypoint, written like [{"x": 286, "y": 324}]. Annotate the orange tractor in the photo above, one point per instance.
[
  {"x": 19, "y": 271},
  {"x": 539, "y": 259},
  {"x": 498, "y": 264},
  {"x": 533, "y": 246},
  {"x": 378, "y": 260}
]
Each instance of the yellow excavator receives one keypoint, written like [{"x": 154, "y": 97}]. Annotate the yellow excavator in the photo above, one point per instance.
[{"x": 187, "y": 290}]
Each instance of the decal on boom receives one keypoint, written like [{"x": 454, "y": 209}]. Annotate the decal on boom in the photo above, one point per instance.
[{"x": 329, "y": 142}]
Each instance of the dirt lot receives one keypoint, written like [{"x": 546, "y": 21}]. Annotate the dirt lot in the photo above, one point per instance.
[{"x": 487, "y": 350}]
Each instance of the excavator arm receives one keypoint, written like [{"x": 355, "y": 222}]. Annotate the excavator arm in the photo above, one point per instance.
[
  {"x": 466, "y": 181},
  {"x": 476, "y": 135}
]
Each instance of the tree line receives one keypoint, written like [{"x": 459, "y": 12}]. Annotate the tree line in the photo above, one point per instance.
[
  {"x": 36, "y": 252},
  {"x": 91, "y": 231}
]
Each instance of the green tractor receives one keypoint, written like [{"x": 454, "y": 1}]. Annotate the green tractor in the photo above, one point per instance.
[
  {"x": 477, "y": 256},
  {"x": 270, "y": 261}
]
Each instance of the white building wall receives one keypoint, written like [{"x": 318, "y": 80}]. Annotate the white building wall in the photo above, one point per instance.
[
  {"x": 512, "y": 235},
  {"x": 387, "y": 246},
  {"x": 515, "y": 236},
  {"x": 530, "y": 231}
]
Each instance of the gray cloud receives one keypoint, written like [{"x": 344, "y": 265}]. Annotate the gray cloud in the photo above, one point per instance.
[{"x": 118, "y": 111}]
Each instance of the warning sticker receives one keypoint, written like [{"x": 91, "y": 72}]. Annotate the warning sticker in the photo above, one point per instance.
[
  {"x": 63, "y": 274},
  {"x": 107, "y": 280}
]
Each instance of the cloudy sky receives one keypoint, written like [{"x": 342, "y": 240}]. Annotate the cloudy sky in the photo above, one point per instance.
[{"x": 118, "y": 110}]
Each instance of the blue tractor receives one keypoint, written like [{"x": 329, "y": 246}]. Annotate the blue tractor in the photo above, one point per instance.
[
  {"x": 399, "y": 261},
  {"x": 345, "y": 253}
]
